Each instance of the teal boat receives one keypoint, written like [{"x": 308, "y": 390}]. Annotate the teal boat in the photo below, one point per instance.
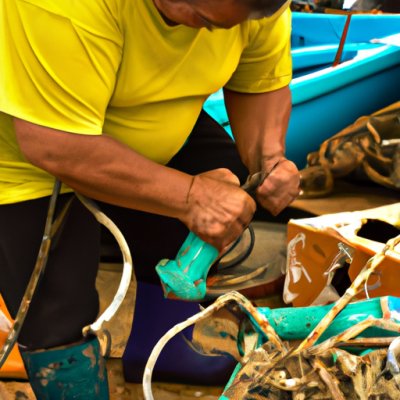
[
  {"x": 309, "y": 29},
  {"x": 325, "y": 98}
]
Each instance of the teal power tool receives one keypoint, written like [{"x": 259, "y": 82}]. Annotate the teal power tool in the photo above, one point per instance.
[{"x": 185, "y": 276}]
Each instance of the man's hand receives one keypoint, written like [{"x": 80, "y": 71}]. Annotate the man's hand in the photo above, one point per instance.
[
  {"x": 218, "y": 209},
  {"x": 281, "y": 186}
]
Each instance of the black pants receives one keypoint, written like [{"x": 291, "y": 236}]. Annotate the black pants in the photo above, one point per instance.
[{"x": 66, "y": 299}]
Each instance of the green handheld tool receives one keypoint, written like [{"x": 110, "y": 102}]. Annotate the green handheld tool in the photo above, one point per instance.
[{"x": 185, "y": 276}]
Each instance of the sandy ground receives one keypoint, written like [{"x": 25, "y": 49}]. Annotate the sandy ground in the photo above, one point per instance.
[{"x": 120, "y": 390}]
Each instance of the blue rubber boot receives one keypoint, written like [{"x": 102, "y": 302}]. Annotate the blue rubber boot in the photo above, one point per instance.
[{"x": 71, "y": 372}]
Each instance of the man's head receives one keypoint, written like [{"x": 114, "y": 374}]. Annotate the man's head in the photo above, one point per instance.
[{"x": 216, "y": 13}]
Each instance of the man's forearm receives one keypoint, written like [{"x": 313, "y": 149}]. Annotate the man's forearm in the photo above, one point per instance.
[
  {"x": 104, "y": 169},
  {"x": 259, "y": 123},
  {"x": 210, "y": 204}
]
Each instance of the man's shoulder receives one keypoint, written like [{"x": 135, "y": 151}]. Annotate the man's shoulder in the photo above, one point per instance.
[{"x": 82, "y": 10}]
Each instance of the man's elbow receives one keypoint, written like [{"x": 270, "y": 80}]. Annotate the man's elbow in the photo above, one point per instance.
[{"x": 37, "y": 146}]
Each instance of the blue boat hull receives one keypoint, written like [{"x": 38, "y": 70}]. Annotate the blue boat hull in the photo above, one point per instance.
[
  {"x": 323, "y": 105},
  {"x": 329, "y": 28}
]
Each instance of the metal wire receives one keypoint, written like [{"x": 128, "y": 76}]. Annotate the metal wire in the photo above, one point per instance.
[{"x": 37, "y": 274}]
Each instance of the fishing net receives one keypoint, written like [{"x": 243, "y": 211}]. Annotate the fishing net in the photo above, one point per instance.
[{"x": 367, "y": 150}]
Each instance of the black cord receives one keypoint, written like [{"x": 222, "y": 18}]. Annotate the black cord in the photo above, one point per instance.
[{"x": 242, "y": 256}]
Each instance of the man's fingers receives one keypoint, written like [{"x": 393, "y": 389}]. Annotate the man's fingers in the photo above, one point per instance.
[
  {"x": 218, "y": 209},
  {"x": 280, "y": 188}
]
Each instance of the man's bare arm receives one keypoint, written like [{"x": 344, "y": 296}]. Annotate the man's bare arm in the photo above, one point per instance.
[
  {"x": 259, "y": 123},
  {"x": 102, "y": 168}
]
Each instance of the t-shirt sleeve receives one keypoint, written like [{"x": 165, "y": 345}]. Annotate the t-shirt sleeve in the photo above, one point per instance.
[
  {"x": 266, "y": 62},
  {"x": 58, "y": 66}
]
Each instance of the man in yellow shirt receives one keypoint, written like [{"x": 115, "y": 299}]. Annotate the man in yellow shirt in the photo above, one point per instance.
[{"x": 106, "y": 96}]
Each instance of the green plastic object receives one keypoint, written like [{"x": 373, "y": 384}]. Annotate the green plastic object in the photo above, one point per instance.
[
  {"x": 185, "y": 277},
  {"x": 75, "y": 372}
]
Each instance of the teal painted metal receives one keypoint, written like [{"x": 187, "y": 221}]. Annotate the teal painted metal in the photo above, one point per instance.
[
  {"x": 185, "y": 277},
  {"x": 294, "y": 323},
  {"x": 75, "y": 372}
]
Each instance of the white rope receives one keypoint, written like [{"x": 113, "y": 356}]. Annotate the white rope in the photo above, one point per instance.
[{"x": 127, "y": 270}]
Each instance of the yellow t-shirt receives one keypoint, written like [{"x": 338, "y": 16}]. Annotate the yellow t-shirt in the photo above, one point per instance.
[{"x": 115, "y": 66}]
